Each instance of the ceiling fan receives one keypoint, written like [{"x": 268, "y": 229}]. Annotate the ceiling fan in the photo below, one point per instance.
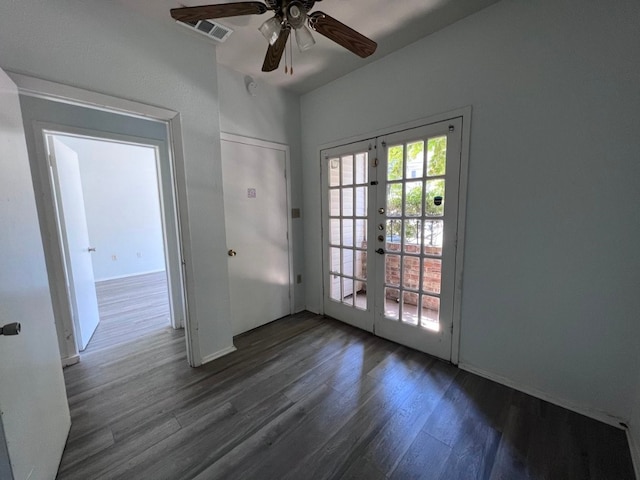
[{"x": 288, "y": 15}]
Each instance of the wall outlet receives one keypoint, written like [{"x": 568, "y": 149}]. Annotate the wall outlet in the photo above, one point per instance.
[{"x": 114, "y": 257}]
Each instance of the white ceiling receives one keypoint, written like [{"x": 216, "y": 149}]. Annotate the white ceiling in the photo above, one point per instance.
[{"x": 393, "y": 24}]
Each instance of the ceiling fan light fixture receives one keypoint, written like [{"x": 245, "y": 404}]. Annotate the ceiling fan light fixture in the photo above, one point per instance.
[
  {"x": 304, "y": 38},
  {"x": 271, "y": 29}
]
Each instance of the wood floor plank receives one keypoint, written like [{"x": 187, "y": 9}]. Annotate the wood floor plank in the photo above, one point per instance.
[
  {"x": 425, "y": 459},
  {"x": 390, "y": 444},
  {"x": 308, "y": 397}
]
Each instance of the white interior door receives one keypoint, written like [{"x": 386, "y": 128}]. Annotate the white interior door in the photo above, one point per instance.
[
  {"x": 390, "y": 223},
  {"x": 75, "y": 239},
  {"x": 256, "y": 208},
  {"x": 33, "y": 406}
]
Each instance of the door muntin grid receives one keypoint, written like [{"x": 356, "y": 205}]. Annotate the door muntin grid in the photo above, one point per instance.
[
  {"x": 348, "y": 223},
  {"x": 414, "y": 227}
]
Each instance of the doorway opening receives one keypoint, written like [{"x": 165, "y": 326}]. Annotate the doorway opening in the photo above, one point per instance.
[{"x": 109, "y": 213}]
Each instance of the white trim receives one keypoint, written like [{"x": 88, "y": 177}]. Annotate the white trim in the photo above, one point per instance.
[
  {"x": 463, "y": 185},
  {"x": 313, "y": 310},
  {"x": 218, "y": 354},
  {"x": 128, "y": 275},
  {"x": 463, "y": 112},
  {"x": 542, "y": 395},
  {"x": 37, "y": 87},
  {"x": 48, "y": 90},
  {"x": 635, "y": 452},
  {"x": 230, "y": 137},
  {"x": 71, "y": 360}
]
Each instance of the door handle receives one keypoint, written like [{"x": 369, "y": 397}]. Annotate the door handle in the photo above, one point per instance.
[
  {"x": 11, "y": 329},
  {"x": 232, "y": 253},
  {"x": 380, "y": 251},
  {"x": 91, "y": 249}
]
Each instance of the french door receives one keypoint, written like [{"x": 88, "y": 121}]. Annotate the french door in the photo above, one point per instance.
[{"x": 390, "y": 212}]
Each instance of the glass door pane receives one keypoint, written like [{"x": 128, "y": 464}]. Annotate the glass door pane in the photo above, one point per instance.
[
  {"x": 414, "y": 209},
  {"x": 346, "y": 177}
]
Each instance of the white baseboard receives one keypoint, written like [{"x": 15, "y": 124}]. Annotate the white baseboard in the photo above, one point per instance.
[
  {"x": 588, "y": 412},
  {"x": 312, "y": 310},
  {"x": 218, "y": 354},
  {"x": 118, "y": 277},
  {"x": 635, "y": 452},
  {"x": 68, "y": 361}
]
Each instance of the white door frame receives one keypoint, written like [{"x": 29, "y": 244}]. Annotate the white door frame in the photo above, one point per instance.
[
  {"x": 171, "y": 241},
  {"x": 57, "y": 92},
  {"x": 230, "y": 137},
  {"x": 465, "y": 114}
]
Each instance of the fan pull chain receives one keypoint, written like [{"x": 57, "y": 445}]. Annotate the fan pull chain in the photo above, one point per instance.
[
  {"x": 286, "y": 69},
  {"x": 291, "y": 53}
]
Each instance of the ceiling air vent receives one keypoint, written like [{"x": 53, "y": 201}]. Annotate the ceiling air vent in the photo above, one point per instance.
[{"x": 214, "y": 30}]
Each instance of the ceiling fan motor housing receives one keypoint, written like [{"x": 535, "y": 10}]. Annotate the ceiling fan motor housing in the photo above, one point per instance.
[{"x": 296, "y": 14}]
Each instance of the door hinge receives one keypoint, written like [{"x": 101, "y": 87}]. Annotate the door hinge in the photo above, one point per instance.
[
  {"x": 384, "y": 144},
  {"x": 285, "y": 173},
  {"x": 375, "y": 162}
]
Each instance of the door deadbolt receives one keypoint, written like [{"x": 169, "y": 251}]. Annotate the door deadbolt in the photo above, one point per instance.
[
  {"x": 232, "y": 253},
  {"x": 381, "y": 210},
  {"x": 381, "y": 227},
  {"x": 381, "y": 238}
]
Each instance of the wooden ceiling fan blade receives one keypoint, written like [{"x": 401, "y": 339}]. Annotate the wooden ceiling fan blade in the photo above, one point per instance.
[
  {"x": 344, "y": 36},
  {"x": 205, "y": 12},
  {"x": 275, "y": 51}
]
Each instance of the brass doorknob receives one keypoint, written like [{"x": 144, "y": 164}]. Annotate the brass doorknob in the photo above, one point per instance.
[{"x": 232, "y": 253}]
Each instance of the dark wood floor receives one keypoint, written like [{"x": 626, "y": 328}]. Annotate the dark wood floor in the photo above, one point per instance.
[{"x": 311, "y": 398}]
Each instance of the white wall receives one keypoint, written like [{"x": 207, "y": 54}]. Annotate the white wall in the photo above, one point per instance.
[
  {"x": 122, "y": 203},
  {"x": 551, "y": 271},
  {"x": 272, "y": 115},
  {"x": 105, "y": 47}
]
